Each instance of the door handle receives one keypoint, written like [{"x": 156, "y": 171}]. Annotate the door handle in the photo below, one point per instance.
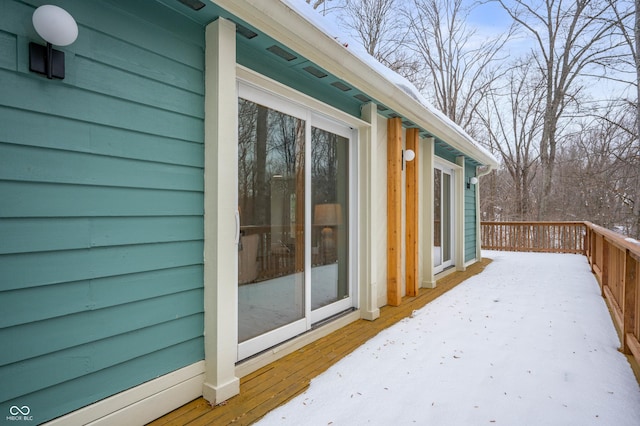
[{"x": 237, "y": 237}]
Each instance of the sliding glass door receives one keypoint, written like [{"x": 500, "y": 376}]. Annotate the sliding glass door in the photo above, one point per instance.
[
  {"x": 293, "y": 203},
  {"x": 330, "y": 227},
  {"x": 443, "y": 218},
  {"x": 271, "y": 290}
]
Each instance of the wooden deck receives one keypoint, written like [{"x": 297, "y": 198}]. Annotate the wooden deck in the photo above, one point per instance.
[{"x": 278, "y": 382}]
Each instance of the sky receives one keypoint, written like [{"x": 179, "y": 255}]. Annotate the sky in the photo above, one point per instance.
[
  {"x": 529, "y": 341},
  {"x": 489, "y": 19},
  {"x": 490, "y": 15}
]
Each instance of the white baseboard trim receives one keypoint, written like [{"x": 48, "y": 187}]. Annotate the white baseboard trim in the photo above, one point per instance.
[
  {"x": 217, "y": 394},
  {"x": 428, "y": 284},
  {"x": 471, "y": 262},
  {"x": 143, "y": 403}
]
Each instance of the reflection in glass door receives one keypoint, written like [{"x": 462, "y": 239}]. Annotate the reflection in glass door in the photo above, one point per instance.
[
  {"x": 271, "y": 188},
  {"x": 330, "y": 232},
  {"x": 293, "y": 203},
  {"x": 442, "y": 216}
]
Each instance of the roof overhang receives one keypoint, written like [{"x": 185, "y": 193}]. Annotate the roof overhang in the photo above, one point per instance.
[{"x": 284, "y": 24}]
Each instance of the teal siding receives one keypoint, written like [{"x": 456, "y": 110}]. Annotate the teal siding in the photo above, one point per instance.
[
  {"x": 445, "y": 152},
  {"x": 469, "y": 214},
  {"x": 101, "y": 205}
]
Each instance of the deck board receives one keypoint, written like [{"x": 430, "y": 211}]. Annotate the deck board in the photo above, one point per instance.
[{"x": 275, "y": 384}]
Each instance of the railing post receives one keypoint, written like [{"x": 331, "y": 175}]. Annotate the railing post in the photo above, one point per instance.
[
  {"x": 630, "y": 297},
  {"x": 604, "y": 269},
  {"x": 586, "y": 244},
  {"x": 594, "y": 248}
]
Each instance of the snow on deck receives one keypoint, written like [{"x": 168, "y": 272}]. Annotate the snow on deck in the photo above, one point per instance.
[{"x": 527, "y": 342}]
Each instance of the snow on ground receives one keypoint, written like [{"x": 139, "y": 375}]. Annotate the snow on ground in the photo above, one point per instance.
[{"x": 529, "y": 341}]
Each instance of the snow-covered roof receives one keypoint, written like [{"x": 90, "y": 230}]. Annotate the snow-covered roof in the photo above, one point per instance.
[
  {"x": 332, "y": 30},
  {"x": 298, "y": 26}
]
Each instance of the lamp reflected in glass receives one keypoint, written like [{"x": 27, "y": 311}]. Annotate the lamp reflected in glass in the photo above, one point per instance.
[
  {"x": 328, "y": 216},
  {"x": 57, "y": 27}
]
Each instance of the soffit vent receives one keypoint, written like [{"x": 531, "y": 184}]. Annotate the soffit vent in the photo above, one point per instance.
[
  {"x": 315, "y": 72},
  {"x": 244, "y": 31},
  {"x": 193, "y": 4},
  {"x": 340, "y": 85},
  {"x": 277, "y": 50}
]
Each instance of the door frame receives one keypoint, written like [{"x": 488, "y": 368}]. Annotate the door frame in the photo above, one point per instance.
[
  {"x": 453, "y": 171},
  {"x": 259, "y": 89}
]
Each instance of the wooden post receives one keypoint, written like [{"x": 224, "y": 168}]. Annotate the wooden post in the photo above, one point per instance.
[
  {"x": 412, "y": 214},
  {"x": 629, "y": 305},
  {"x": 605, "y": 266},
  {"x": 394, "y": 210}
]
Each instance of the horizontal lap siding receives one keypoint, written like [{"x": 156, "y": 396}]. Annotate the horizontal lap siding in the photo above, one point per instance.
[
  {"x": 101, "y": 206},
  {"x": 469, "y": 215}
]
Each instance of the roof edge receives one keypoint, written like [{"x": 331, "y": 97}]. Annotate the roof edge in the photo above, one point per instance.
[{"x": 289, "y": 27}]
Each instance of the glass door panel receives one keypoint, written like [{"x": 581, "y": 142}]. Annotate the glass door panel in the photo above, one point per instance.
[
  {"x": 330, "y": 232},
  {"x": 271, "y": 253},
  {"x": 442, "y": 219},
  {"x": 446, "y": 217},
  {"x": 437, "y": 217}
]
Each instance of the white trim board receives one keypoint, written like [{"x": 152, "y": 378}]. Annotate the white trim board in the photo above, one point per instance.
[{"x": 143, "y": 403}]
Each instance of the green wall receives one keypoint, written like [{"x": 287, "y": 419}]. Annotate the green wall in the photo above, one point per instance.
[
  {"x": 469, "y": 200},
  {"x": 101, "y": 206},
  {"x": 469, "y": 213}
]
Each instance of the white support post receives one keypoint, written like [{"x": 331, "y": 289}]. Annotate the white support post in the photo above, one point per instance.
[
  {"x": 369, "y": 221},
  {"x": 459, "y": 189},
  {"x": 220, "y": 207},
  {"x": 427, "y": 154},
  {"x": 478, "y": 222}
]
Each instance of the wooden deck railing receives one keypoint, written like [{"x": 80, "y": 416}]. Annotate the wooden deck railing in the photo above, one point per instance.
[
  {"x": 548, "y": 237},
  {"x": 614, "y": 259}
]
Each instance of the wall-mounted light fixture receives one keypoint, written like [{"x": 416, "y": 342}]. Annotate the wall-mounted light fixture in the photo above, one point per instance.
[
  {"x": 57, "y": 27},
  {"x": 471, "y": 181},
  {"x": 408, "y": 155}
]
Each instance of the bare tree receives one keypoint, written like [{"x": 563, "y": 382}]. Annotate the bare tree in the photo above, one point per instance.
[
  {"x": 315, "y": 3},
  {"x": 627, "y": 18},
  {"x": 377, "y": 26},
  {"x": 460, "y": 68},
  {"x": 328, "y": 6},
  {"x": 600, "y": 172},
  {"x": 572, "y": 39},
  {"x": 513, "y": 123}
]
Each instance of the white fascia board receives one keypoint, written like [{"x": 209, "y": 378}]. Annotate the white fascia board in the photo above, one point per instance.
[{"x": 284, "y": 24}]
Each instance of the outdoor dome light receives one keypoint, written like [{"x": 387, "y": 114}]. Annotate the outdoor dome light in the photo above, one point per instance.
[
  {"x": 472, "y": 181},
  {"x": 409, "y": 155},
  {"x": 57, "y": 27}
]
